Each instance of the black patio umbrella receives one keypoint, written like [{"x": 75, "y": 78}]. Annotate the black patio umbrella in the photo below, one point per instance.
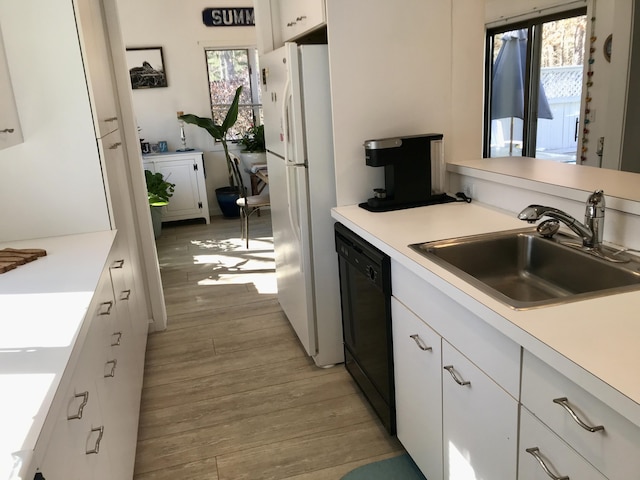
[{"x": 509, "y": 70}]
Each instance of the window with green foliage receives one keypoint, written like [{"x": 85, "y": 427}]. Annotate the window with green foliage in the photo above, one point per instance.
[{"x": 227, "y": 70}]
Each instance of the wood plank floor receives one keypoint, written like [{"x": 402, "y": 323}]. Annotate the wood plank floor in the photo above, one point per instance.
[{"x": 229, "y": 393}]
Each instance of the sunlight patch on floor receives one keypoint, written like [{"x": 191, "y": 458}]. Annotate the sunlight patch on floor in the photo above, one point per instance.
[
  {"x": 233, "y": 264},
  {"x": 265, "y": 283}
]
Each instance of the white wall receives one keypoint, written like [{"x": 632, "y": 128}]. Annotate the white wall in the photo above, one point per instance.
[
  {"x": 52, "y": 183},
  {"x": 390, "y": 76},
  {"x": 177, "y": 27}
]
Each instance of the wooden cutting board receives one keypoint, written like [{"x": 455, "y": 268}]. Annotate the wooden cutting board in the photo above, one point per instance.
[{"x": 11, "y": 258}]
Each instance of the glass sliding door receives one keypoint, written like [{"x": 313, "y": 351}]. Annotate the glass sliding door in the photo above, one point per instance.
[{"x": 534, "y": 88}]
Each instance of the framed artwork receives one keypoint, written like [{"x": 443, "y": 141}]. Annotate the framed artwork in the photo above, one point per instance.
[{"x": 146, "y": 67}]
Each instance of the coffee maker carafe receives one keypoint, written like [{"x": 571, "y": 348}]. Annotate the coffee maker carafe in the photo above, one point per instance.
[{"x": 408, "y": 172}]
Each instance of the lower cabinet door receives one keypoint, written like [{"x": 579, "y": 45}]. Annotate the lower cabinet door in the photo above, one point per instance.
[
  {"x": 544, "y": 455},
  {"x": 418, "y": 383},
  {"x": 480, "y": 422}
]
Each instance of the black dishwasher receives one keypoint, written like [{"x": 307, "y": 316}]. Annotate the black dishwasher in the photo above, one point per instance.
[{"x": 365, "y": 292}]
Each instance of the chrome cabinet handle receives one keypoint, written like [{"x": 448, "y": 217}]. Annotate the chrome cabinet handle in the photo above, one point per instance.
[
  {"x": 564, "y": 403},
  {"x": 300, "y": 18},
  {"x": 7, "y": 130},
  {"x": 125, "y": 294},
  {"x": 115, "y": 145},
  {"x": 85, "y": 399},
  {"x": 449, "y": 368},
  {"x": 421, "y": 345},
  {"x": 118, "y": 263},
  {"x": 109, "y": 306},
  {"x": 291, "y": 24},
  {"x": 110, "y": 119},
  {"x": 96, "y": 447},
  {"x": 112, "y": 373},
  {"x": 116, "y": 343},
  {"x": 535, "y": 452}
]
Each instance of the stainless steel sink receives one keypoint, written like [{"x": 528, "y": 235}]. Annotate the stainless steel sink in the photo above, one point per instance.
[{"x": 525, "y": 270}]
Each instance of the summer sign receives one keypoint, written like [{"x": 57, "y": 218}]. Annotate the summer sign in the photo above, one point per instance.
[{"x": 228, "y": 17}]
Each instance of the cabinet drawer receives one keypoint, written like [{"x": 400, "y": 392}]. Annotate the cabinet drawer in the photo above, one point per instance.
[
  {"x": 556, "y": 455},
  {"x": 493, "y": 352},
  {"x": 614, "y": 450}
]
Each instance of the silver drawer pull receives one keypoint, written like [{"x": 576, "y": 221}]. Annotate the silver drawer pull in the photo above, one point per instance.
[
  {"x": 291, "y": 24},
  {"x": 112, "y": 373},
  {"x": 110, "y": 119},
  {"x": 125, "y": 294},
  {"x": 564, "y": 403},
  {"x": 535, "y": 452},
  {"x": 85, "y": 399},
  {"x": 118, "y": 264},
  {"x": 449, "y": 368},
  {"x": 96, "y": 447},
  {"x": 107, "y": 310},
  {"x": 115, "y": 146},
  {"x": 7, "y": 130},
  {"x": 300, "y": 18},
  {"x": 421, "y": 345},
  {"x": 116, "y": 343}
]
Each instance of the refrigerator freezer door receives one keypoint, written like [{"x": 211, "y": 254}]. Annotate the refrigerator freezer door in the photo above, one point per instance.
[
  {"x": 290, "y": 220},
  {"x": 274, "y": 79},
  {"x": 282, "y": 106}
]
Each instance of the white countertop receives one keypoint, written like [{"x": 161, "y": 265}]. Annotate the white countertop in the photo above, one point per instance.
[
  {"x": 42, "y": 307},
  {"x": 595, "y": 342}
]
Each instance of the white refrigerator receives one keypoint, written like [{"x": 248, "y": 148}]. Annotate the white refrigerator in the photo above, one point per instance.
[{"x": 298, "y": 134}]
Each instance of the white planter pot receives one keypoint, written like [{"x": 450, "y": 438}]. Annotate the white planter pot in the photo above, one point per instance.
[{"x": 249, "y": 159}]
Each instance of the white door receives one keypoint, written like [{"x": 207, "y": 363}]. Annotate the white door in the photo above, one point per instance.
[
  {"x": 289, "y": 218},
  {"x": 418, "y": 384},
  {"x": 480, "y": 422}
]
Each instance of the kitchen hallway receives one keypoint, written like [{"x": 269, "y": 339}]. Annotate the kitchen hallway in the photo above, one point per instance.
[{"x": 229, "y": 393}]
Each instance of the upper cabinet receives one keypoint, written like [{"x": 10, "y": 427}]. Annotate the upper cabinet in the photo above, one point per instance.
[
  {"x": 299, "y": 17},
  {"x": 10, "y": 132},
  {"x": 95, "y": 56}
]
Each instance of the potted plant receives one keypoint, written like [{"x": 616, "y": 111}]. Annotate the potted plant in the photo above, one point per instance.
[
  {"x": 254, "y": 148},
  {"x": 158, "y": 193},
  {"x": 226, "y": 196}
]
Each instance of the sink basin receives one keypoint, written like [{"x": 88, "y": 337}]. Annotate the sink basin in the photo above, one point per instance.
[{"x": 524, "y": 270}]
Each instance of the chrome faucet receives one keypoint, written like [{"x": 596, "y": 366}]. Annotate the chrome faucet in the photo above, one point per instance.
[{"x": 592, "y": 229}]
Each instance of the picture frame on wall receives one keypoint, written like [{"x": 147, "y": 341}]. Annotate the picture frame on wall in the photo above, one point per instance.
[{"x": 146, "y": 67}]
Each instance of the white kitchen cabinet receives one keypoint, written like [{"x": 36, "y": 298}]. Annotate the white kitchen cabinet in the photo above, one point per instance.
[
  {"x": 470, "y": 406},
  {"x": 105, "y": 387},
  {"x": 10, "y": 131},
  {"x": 605, "y": 439},
  {"x": 95, "y": 56},
  {"x": 418, "y": 383},
  {"x": 541, "y": 450},
  {"x": 299, "y": 17},
  {"x": 186, "y": 171},
  {"x": 79, "y": 422},
  {"x": 480, "y": 422}
]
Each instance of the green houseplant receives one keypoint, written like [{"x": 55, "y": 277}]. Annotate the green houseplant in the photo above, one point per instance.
[
  {"x": 253, "y": 140},
  {"x": 158, "y": 193},
  {"x": 254, "y": 147},
  {"x": 219, "y": 133}
]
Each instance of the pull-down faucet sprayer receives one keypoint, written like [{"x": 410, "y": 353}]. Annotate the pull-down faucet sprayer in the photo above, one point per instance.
[{"x": 591, "y": 231}]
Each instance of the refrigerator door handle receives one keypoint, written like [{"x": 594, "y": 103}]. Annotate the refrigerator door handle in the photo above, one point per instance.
[
  {"x": 285, "y": 116},
  {"x": 294, "y": 205}
]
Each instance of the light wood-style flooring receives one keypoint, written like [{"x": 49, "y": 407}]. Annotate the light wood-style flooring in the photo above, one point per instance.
[{"x": 229, "y": 393}]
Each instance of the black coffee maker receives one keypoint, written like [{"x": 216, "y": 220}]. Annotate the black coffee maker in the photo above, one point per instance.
[{"x": 407, "y": 172}]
